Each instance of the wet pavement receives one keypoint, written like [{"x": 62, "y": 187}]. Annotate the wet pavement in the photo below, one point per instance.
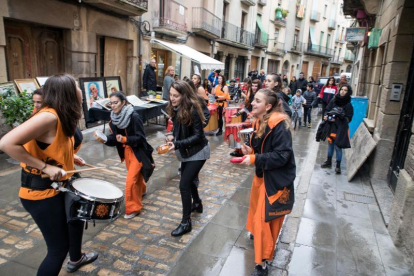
[{"x": 324, "y": 235}]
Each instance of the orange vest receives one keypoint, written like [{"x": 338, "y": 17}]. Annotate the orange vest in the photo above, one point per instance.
[
  {"x": 220, "y": 93},
  {"x": 59, "y": 153}
]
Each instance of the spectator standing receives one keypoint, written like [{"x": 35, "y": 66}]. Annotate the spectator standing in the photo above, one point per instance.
[
  {"x": 150, "y": 79},
  {"x": 234, "y": 91},
  {"x": 342, "y": 81},
  {"x": 262, "y": 76},
  {"x": 293, "y": 85},
  {"x": 213, "y": 77},
  {"x": 310, "y": 97},
  {"x": 328, "y": 92},
  {"x": 253, "y": 75},
  {"x": 168, "y": 80},
  {"x": 285, "y": 81},
  {"x": 302, "y": 82},
  {"x": 297, "y": 101}
]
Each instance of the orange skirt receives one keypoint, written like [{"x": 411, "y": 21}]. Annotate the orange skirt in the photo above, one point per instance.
[{"x": 265, "y": 233}]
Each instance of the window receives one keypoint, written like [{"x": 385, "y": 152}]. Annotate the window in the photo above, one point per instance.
[
  {"x": 325, "y": 11},
  {"x": 321, "y": 38},
  {"x": 296, "y": 37},
  {"x": 328, "y": 41},
  {"x": 276, "y": 35},
  {"x": 239, "y": 68}
]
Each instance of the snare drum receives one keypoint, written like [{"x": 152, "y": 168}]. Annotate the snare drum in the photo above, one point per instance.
[
  {"x": 94, "y": 199},
  {"x": 100, "y": 136}
]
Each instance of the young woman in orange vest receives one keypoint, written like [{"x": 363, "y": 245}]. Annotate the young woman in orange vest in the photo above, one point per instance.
[
  {"x": 271, "y": 196},
  {"x": 221, "y": 92},
  {"x": 45, "y": 144}
]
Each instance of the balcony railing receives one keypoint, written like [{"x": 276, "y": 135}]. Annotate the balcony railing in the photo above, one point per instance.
[
  {"x": 170, "y": 19},
  {"x": 206, "y": 23},
  {"x": 337, "y": 60},
  {"x": 280, "y": 22},
  {"x": 124, "y": 7},
  {"x": 318, "y": 50},
  {"x": 331, "y": 24},
  {"x": 279, "y": 48},
  {"x": 349, "y": 57},
  {"x": 237, "y": 35},
  {"x": 315, "y": 16},
  {"x": 297, "y": 46},
  {"x": 249, "y": 2},
  {"x": 262, "y": 2},
  {"x": 261, "y": 39}
]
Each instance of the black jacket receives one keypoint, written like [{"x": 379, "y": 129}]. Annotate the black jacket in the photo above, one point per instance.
[
  {"x": 136, "y": 139},
  {"x": 309, "y": 96},
  {"x": 302, "y": 84},
  {"x": 150, "y": 79},
  {"x": 189, "y": 139},
  {"x": 341, "y": 125},
  {"x": 275, "y": 161},
  {"x": 285, "y": 100},
  {"x": 233, "y": 91},
  {"x": 293, "y": 87}
]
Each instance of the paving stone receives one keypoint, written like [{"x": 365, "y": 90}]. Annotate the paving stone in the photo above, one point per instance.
[
  {"x": 317, "y": 234},
  {"x": 239, "y": 262},
  {"x": 312, "y": 261}
]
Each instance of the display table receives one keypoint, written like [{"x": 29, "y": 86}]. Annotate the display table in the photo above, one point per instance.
[
  {"x": 213, "y": 122},
  {"x": 97, "y": 114}
]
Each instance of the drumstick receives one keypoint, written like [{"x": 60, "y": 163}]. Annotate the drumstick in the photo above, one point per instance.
[
  {"x": 92, "y": 166},
  {"x": 76, "y": 171}
]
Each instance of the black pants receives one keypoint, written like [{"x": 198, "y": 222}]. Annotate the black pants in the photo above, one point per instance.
[
  {"x": 220, "y": 117},
  {"x": 307, "y": 114},
  {"x": 324, "y": 105},
  {"x": 60, "y": 237},
  {"x": 188, "y": 189}
]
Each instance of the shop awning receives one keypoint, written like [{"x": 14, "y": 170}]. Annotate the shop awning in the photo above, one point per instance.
[
  {"x": 262, "y": 30},
  {"x": 206, "y": 62}
]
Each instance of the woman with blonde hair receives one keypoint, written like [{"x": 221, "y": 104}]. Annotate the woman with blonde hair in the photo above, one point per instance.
[
  {"x": 168, "y": 80},
  {"x": 272, "y": 194}
]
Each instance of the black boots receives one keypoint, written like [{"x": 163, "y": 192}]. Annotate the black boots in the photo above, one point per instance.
[
  {"x": 327, "y": 163},
  {"x": 338, "y": 167},
  {"x": 182, "y": 229},
  {"x": 260, "y": 271},
  {"x": 197, "y": 207}
]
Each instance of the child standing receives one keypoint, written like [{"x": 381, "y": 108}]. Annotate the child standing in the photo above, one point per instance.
[
  {"x": 297, "y": 101},
  {"x": 310, "y": 97}
]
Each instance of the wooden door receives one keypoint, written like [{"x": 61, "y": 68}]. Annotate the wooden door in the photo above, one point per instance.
[
  {"x": 253, "y": 63},
  {"x": 316, "y": 69},
  {"x": 115, "y": 59},
  {"x": 305, "y": 66},
  {"x": 292, "y": 71},
  {"x": 49, "y": 50},
  {"x": 323, "y": 74}
]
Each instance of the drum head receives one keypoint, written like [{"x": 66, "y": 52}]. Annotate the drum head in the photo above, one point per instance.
[{"x": 97, "y": 188}]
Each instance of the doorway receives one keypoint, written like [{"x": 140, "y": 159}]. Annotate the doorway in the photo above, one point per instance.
[
  {"x": 305, "y": 68},
  {"x": 161, "y": 64},
  {"x": 402, "y": 140}
]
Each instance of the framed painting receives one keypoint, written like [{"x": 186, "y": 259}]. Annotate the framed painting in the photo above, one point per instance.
[
  {"x": 28, "y": 85},
  {"x": 113, "y": 84},
  {"x": 41, "y": 80},
  {"x": 7, "y": 89},
  {"x": 93, "y": 89}
]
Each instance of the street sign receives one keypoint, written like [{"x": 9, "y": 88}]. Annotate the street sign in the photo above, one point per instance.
[{"x": 355, "y": 34}]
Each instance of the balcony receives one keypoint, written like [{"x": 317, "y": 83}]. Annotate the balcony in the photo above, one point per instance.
[
  {"x": 124, "y": 7},
  {"x": 170, "y": 19},
  {"x": 340, "y": 40},
  {"x": 206, "y": 23},
  {"x": 337, "y": 60},
  {"x": 315, "y": 16},
  {"x": 332, "y": 24},
  {"x": 278, "y": 49},
  {"x": 260, "y": 39},
  {"x": 236, "y": 36},
  {"x": 297, "y": 47},
  {"x": 349, "y": 57},
  {"x": 249, "y": 2},
  {"x": 316, "y": 50},
  {"x": 280, "y": 22},
  {"x": 262, "y": 2}
]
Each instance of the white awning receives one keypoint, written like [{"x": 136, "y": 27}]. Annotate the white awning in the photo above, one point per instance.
[{"x": 206, "y": 62}]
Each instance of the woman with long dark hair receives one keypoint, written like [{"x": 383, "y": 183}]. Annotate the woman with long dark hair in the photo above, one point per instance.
[
  {"x": 274, "y": 83},
  {"x": 44, "y": 144},
  {"x": 196, "y": 79},
  {"x": 191, "y": 148},
  {"x": 328, "y": 92},
  {"x": 207, "y": 86},
  {"x": 293, "y": 85},
  {"x": 221, "y": 92},
  {"x": 271, "y": 196},
  {"x": 128, "y": 135}
]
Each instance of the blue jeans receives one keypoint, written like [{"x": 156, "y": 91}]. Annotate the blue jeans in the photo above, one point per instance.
[
  {"x": 308, "y": 111},
  {"x": 337, "y": 150}
]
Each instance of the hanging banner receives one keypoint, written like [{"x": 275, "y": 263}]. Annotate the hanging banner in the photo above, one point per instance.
[{"x": 355, "y": 34}]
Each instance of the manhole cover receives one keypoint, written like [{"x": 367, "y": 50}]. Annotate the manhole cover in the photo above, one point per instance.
[{"x": 359, "y": 198}]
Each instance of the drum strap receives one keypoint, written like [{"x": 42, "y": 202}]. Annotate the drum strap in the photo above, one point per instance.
[{"x": 35, "y": 182}]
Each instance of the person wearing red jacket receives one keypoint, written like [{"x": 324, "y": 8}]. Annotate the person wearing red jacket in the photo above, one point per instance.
[{"x": 328, "y": 92}]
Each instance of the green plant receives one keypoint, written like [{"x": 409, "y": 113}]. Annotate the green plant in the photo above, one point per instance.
[
  {"x": 16, "y": 109},
  {"x": 151, "y": 92},
  {"x": 285, "y": 13}
]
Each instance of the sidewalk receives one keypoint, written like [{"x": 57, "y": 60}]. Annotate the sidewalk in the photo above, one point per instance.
[{"x": 336, "y": 227}]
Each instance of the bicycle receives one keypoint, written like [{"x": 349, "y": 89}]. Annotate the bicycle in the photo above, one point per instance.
[{"x": 295, "y": 117}]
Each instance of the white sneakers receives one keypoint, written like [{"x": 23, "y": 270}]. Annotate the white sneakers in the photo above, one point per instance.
[{"x": 130, "y": 216}]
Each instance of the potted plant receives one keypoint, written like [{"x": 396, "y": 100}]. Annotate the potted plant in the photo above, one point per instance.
[
  {"x": 16, "y": 109},
  {"x": 151, "y": 94},
  {"x": 279, "y": 11},
  {"x": 285, "y": 13}
]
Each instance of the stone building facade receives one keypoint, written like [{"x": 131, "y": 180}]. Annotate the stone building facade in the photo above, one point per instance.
[{"x": 379, "y": 73}]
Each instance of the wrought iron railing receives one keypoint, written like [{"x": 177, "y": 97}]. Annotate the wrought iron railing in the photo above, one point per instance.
[
  {"x": 318, "y": 50},
  {"x": 236, "y": 34},
  {"x": 280, "y": 21},
  {"x": 337, "y": 59},
  {"x": 139, "y": 3},
  {"x": 172, "y": 15},
  {"x": 261, "y": 38},
  {"x": 349, "y": 56},
  {"x": 203, "y": 19},
  {"x": 297, "y": 46},
  {"x": 315, "y": 16}
]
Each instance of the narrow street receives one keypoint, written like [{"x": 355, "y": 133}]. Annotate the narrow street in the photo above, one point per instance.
[{"x": 325, "y": 235}]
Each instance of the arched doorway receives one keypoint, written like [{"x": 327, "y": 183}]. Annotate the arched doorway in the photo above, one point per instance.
[{"x": 285, "y": 69}]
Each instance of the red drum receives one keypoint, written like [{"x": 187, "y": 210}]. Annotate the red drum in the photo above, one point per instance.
[
  {"x": 233, "y": 129},
  {"x": 229, "y": 112}
]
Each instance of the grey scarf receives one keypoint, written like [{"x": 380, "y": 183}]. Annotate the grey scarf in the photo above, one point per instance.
[{"x": 122, "y": 119}]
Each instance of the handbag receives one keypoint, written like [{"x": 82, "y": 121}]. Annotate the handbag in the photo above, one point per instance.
[{"x": 282, "y": 206}]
